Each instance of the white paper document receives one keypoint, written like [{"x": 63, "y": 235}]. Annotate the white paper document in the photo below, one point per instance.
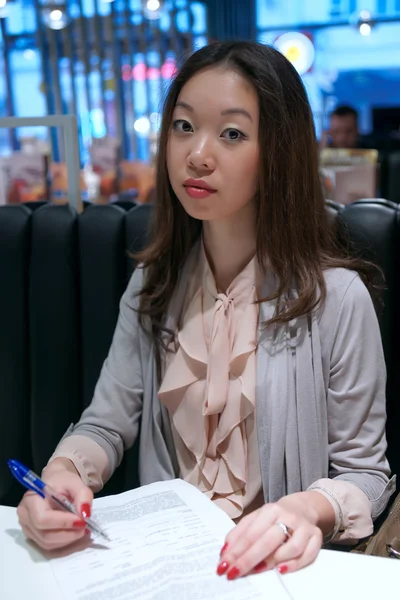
[{"x": 165, "y": 544}]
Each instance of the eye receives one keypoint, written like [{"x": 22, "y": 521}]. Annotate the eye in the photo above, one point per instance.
[
  {"x": 182, "y": 126},
  {"x": 233, "y": 135}
]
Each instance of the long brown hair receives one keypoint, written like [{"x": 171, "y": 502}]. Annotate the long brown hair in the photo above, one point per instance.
[{"x": 292, "y": 233}]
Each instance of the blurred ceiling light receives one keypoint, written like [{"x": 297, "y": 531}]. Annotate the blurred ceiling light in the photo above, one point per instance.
[
  {"x": 153, "y": 5},
  {"x": 3, "y": 3},
  {"x": 152, "y": 9},
  {"x": 365, "y": 29},
  {"x": 142, "y": 126},
  {"x": 298, "y": 49},
  {"x": 29, "y": 54},
  {"x": 365, "y": 15},
  {"x": 55, "y": 16},
  {"x": 365, "y": 22}
]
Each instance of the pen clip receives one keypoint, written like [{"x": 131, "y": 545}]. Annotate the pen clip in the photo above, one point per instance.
[{"x": 22, "y": 475}]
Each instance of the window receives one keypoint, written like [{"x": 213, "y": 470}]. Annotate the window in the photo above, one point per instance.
[
  {"x": 109, "y": 65},
  {"x": 381, "y": 7},
  {"x": 348, "y": 68}
]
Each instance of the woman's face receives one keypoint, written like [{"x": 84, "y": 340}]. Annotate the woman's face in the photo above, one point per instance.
[{"x": 213, "y": 152}]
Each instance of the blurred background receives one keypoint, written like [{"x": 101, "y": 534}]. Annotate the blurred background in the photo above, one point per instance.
[
  {"x": 109, "y": 63},
  {"x": 81, "y": 89}
]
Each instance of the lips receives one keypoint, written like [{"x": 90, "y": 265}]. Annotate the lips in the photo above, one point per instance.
[
  {"x": 197, "y": 188},
  {"x": 199, "y": 184}
]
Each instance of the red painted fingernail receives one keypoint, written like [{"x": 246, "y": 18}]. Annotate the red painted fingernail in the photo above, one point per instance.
[
  {"x": 233, "y": 573},
  {"x": 224, "y": 547},
  {"x": 85, "y": 510},
  {"x": 283, "y": 569},
  {"x": 79, "y": 524},
  {"x": 87, "y": 531},
  {"x": 260, "y": 567},
  {"x": 222, "y": 568}
]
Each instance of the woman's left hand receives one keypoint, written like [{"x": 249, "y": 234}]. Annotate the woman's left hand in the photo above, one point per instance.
[{"x": 259, "y": 543}]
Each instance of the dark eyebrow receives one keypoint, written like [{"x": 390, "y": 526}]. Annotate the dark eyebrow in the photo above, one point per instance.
[
  {"x": 237, "y": 111},
  {"x": 228, "y": 111},
  {"x": 184, "y": 105}
]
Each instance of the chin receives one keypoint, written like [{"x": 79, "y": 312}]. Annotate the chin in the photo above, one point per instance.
[
  {"x": 201, "y": 215},
  {"x": 198, "y": 209}
]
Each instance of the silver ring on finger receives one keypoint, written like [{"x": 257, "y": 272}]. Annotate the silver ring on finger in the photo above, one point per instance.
[{"x": 286, "y": 531}]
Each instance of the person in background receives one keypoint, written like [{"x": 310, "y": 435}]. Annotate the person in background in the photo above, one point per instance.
[
  {"x": 247, "y": 347},
  {"x": 343, "y": 131}
]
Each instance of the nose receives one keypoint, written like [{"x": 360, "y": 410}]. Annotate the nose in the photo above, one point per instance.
[{"x": 200, "y": 156}]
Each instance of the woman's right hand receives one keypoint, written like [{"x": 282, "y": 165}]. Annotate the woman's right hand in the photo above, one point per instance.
[{"x": 47, "y": 526}]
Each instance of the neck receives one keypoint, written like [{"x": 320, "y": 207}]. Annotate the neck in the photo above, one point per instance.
[{"x": 230, "y": 244}]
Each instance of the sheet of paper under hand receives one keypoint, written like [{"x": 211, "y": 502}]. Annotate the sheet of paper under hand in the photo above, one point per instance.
[
  {"x": 165, "y": 544},
  {"x": 166, "y": 539}
]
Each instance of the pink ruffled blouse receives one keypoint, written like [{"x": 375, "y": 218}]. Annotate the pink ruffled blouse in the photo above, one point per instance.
[{"x": 209, "y": 391}]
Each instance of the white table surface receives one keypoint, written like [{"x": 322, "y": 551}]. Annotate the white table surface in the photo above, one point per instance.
[{"x": 333, "y": 576}]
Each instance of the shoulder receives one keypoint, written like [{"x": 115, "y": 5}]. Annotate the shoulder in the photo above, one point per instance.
[
  {"x": 347, "y": 300},
  {"x": 134, "y": 287},
  {"x": 189, "y": 268},
  {"x": 344, "y": 287},
  {"x": 347, "y": 316}
]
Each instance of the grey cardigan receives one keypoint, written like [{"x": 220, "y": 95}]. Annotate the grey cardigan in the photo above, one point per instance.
[{"x": 320, "y": 394}]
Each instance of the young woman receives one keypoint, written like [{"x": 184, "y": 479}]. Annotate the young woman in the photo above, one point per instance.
[{"x": 248, "y": 347}]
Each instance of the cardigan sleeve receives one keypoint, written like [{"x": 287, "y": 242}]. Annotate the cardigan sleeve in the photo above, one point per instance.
[
  {"x": 111, "y": 421},
  {"x": 88, "y": 458},
  {"x": 356, "y": 406},
  {"x": 352, "y": 510}
]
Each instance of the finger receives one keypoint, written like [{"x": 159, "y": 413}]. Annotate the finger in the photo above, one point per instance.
[
  {"x": 49, "y": 540},
  {"x": 294, "y": 547},
  {"x": 52, "y": 540},
  {"x": 32, "y": 500},
  {"x": 82, "y": 498},
  {"x": 78, "y": 493},
  {"x": 35, "y": 513},
  {"x": 237, "y": 532},
  {"x": 41, "y": 516},
  {"x": 28, "y": 533},
  {"x": 259, "y": 568},
  {"x": 256, "y": 534},
  {"x": 23, "y": 516},
  {"x": 248, "y": 530},
  {"x": 309, "y": 555},
  {"x": 262, "y": 549}
]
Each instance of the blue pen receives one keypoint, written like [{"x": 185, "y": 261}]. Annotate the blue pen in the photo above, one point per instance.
[{"x": 32, "y": 482}]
